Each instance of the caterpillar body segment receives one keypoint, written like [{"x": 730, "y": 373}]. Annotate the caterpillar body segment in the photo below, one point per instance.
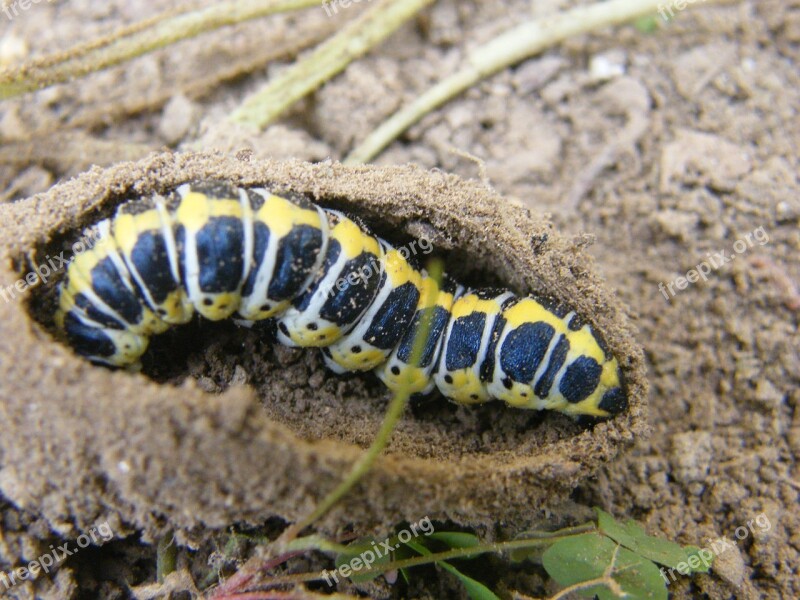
[
  {"x": 430, "y": 319},
  {"x": 213, "y": 227},
  {"x": 369, "y": 343},
  {"x": 100, "y": 306},
  {"x": 143, "y": 233},
  {"x": 552, "y": 353},
  {"x": 466, "y": 360},
  {"x": 222, "y": 251},
  {"x": 340, "y": 293},
  {"x": 290, "y": 242}
]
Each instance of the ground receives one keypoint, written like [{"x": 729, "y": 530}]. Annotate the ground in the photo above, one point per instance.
[{"x": 675, "y": 147}]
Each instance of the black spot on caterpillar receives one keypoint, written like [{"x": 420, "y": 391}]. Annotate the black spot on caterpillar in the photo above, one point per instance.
[{"x": 218, "y": 250}]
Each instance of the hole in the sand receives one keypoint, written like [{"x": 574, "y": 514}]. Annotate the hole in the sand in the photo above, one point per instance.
[{"x": 298, "y": 390}]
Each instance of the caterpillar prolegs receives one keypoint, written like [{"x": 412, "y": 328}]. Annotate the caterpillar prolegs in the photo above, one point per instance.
[{"x": 221, "y": 251}]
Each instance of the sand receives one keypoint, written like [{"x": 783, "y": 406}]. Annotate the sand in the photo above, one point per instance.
[{"x": 662, "y": 167}]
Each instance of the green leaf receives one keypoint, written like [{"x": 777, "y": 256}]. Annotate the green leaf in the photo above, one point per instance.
[
  {"x": 475, "y": 589},
  {"x": 578, "y": 559},
  {"x": 357, "y": 551},
  {"x": 401, "y": 553},
  {"x": 534, "y": 552},
  {"x": 617, "y": 532},
  {"x": 456, "y": 539},
  {"x": 586, "y": 557},
  {"x": 695, "y": 551},
  {"x": 419, "y": 548},
  {"x": 638, "y": 577},
  {"x": 633, "y": 536}
]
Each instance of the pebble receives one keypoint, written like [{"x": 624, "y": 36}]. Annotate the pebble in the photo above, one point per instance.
[{"x": 690, "y": 456}]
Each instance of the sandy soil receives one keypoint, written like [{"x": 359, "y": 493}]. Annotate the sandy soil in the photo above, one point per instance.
[{"x": 668, "y": 147}]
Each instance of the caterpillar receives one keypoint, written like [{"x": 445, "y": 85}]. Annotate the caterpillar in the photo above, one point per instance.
[{"x": 222, "y": 251}]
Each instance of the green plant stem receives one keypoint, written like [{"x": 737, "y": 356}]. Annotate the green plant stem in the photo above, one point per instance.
[
  {"x": 135, "y": 40},
  {"x": 515, "y": 45},
  {"x": 393, "y": 413},
  {"x": 355, "y": 39},
  {"x": 415, "y": 561},
  {"x": 574, "y": 530}
]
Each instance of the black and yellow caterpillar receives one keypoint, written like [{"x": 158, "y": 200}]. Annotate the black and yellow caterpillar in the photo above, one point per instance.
[{"x": 215, "y": 249}]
